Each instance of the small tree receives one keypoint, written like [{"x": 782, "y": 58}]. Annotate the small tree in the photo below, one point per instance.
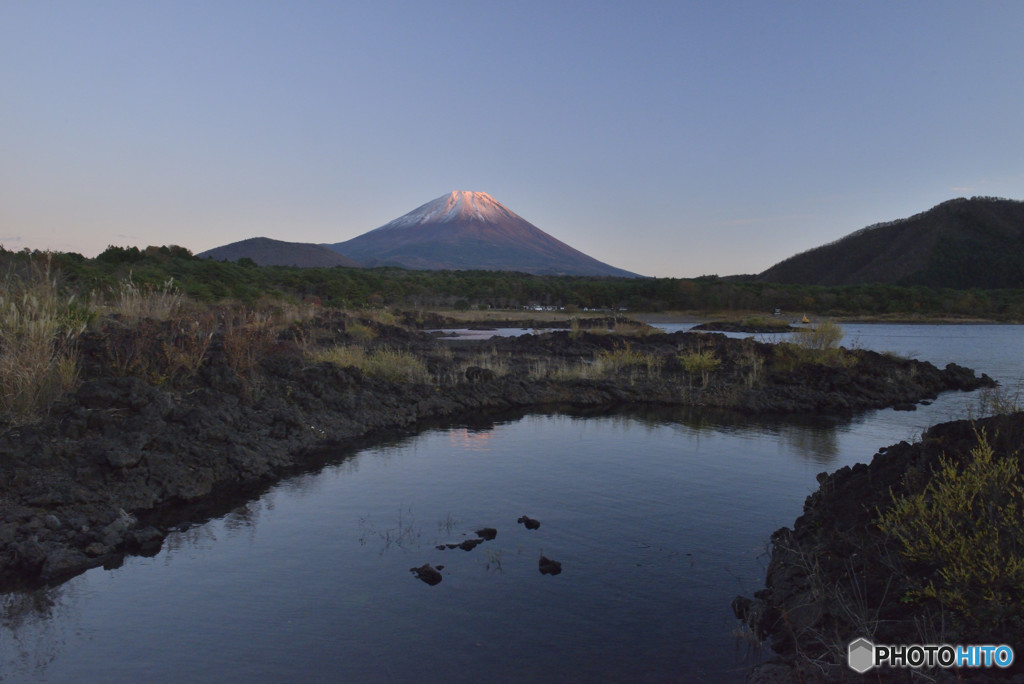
[
  {"x": 823, "y": 337},
  {"x": 967, "y": 529}
]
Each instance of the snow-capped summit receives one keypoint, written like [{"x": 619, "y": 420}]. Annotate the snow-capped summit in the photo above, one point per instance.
[
  {"x": 469, "y": 231},
  {"x": 458, "y": 205}
]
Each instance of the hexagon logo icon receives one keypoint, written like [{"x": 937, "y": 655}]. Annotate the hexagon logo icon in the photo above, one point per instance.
[{"x": 861, "y": 655}]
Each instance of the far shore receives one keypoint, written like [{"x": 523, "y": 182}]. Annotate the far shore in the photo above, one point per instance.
[{"x": 478, "y": 317}]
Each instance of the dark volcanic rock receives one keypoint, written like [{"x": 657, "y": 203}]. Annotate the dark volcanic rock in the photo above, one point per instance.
[
  {"x": 428, "y": 573},
  {"x": 529, "y": 522},
  {"x": 835, "y": 552},
  {"x": 478, "y": 374},
  {"x": 549, "y": 567},
  {"x": 743, "y": 327}
]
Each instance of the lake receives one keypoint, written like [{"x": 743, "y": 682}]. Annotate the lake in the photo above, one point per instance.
[{"x": 659, "y": 517}]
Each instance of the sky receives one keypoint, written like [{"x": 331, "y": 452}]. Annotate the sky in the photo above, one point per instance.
[{"x": 671, "y": 139}]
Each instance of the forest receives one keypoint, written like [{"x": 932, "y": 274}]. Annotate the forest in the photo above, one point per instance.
[{"x": 362, "y": 288}]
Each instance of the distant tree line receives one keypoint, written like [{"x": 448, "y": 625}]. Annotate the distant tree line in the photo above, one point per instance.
[{"x": 245, "y": 282}]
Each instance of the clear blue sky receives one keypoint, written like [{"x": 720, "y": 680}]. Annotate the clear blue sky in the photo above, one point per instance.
[{"x": 667, "y": 138}]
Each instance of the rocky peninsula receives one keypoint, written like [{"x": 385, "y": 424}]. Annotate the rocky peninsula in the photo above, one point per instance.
[{"x": 174, "y": 420}]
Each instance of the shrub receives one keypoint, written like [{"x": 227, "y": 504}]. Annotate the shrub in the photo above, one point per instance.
[
  {"x": 359, "y": 331},
  {"x": 818, "y": 344},
  {"x": 823, "y": 337},
  {"x": 966, "y": 528},
  {"x": 701, "y": 363}
]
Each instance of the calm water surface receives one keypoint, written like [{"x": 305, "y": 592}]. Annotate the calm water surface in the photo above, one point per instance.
[{"x": 659, "y": 518}]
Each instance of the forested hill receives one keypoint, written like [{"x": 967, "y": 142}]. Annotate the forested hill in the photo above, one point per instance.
[{"x": 960, "y": 244}]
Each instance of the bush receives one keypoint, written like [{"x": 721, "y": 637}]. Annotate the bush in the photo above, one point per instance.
[
  {"x": 817, "y": 344},
  {"x": 701, "y": 363},
  {"x": 359, "y": 331},
  {"x": 965, "y": 534},
  {"x": 823, "y": 337}
]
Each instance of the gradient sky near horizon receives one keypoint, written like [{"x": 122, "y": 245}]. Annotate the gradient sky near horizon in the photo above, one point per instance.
[{"x": 671, "y": 139}]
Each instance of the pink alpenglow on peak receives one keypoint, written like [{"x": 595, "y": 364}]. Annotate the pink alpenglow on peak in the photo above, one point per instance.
[
  {"x": 457, "y": 205},
  {"x": 466, "y": 230}
]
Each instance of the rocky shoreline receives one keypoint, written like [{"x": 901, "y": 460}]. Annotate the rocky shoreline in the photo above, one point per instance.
[
  {"x": 745, "y": 327},
  {"x": 129, "y": 455},
  {"x": 836, "y": 576}
]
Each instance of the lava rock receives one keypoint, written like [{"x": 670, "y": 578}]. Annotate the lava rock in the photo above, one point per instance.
[
  {"x": 428, "y": 573},
  {"x": 478, "y": 374},
  {"x": 549, "y": 567},
  {"x": 529, "y": 522}
]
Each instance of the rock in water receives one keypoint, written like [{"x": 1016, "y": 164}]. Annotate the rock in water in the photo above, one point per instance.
[
  {"x": 530, "y": 523},
  {"x": 549, "y": 567},
  {"x": 428, "y": 574}
]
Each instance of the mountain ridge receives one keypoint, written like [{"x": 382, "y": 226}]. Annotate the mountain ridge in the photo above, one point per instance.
[{"x": 960, "y": 243}]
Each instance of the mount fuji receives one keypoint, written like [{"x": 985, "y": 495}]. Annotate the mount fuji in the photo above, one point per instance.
[{"x": 470, "y": 231}]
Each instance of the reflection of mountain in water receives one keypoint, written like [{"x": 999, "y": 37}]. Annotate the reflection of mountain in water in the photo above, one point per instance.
[{"x": 812, "y": 438}]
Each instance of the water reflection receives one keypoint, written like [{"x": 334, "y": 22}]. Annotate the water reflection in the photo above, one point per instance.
[
  {"x": 35, "y": 624},
  {"x": 810, "y": 438},
  {"x": 32, "y": 628},
  {"x": 470, "y": 440},
  {"x": 403, "y": 533}
]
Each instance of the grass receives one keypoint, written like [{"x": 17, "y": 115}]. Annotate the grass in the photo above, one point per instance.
[
  {"x": 392, "y": 365},
  {"x": 38, "y": 327},
  {"x": 766, "y": 322},
  {"x": 607, "y": 364},
  {"x": 135, "y": 302}
]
